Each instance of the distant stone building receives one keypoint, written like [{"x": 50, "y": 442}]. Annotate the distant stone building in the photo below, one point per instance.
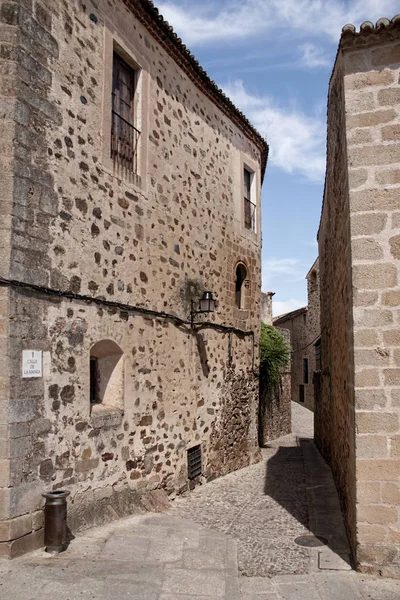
[
  {"x": 130, "y": 185},
  {"x": 304, "y": 327},
  {"x": 357, "y": 425},
  {"x": 275, "y": 413}
]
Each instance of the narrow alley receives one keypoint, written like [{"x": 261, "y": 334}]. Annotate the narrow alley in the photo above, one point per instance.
[{"x": 272, "y": 531}]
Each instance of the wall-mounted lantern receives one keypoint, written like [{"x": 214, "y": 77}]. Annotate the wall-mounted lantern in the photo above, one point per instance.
[{"x": 206, "y": 305}]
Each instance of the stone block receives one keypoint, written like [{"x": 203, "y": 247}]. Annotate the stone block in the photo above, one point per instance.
[
  {"x": 371, "y": 357},
  {"x": 28, "y": 543},
  {"x": 358, "y": 137},
  {"x": 362, "y": 156},
  {"x": 357, "y": 178},
  {"x": 376, "y": 514},
  {"x": 15, "y": 528},
  {"x": 387, "y": 176},
  {"x": 365, "y": 337},
  {"x": 371, "y": 534},
  {"x": 371, "y": 119},
  {"x": 86, "y": 465},
  {"x": 364, "y": 298},
  {"x": 368, "y": 223},
  {"x": 369, "y": 492},
  {"x": 356, "y": 62},
  {"x": 377, "y": 422},
  {"x": 395, "y": 246},
  {"x": 377, "y": 469},
  {"x": 375, "y": 276},
  {"x": 4, "y": 504},
  {"x": 366, "y": 249},
  {"x": 391, "y": 337},
  {"x": 391, "y": 493},
  {"x": 374, "y": 554},
  {"x": 366, "y": 399},
  {"x": 395, "y": 446},
  {"x": 373, "y": 317},
  {"x": 358, "y": 81},
  {"x": 4, "y": 473},
  {"x": 391, "y": 298},
  {"x": 396, "y": 217},
  {"x": 371, "y": 446},
  {"x": 389, "y": 96},
  {"x": 37, "y": 520},
  {"x": 391, "y": 133},
  {"x": 375, "y": 199},
  {"x": 385, "y": 55},
  {"x": 391, "y": 376},
  {"x": 367, "y": 378}
]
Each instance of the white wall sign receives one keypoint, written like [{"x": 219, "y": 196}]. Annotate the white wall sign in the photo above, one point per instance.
[{"x": 31, "y": 363}]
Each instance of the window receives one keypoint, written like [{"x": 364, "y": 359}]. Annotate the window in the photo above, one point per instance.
[
  {"x": 305, "y": 370},
  {"x": 106, "y": 375},
  {"x": 241, "y": 275},
  {"x": 301, "y": 393},
  {"x": 194, "y": 462},
  {"x": 317, "y": 346},
  {"x": 124, "y": 135},
  {"x": 249, "y": 206}
]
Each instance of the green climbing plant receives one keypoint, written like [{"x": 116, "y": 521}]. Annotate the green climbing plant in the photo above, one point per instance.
[{"x": 274, "y": 356}]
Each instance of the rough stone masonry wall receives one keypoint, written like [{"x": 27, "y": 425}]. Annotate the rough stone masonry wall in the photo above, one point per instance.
[
  {"x": 373, "y": 135},
  {"x": 334, "y": 414},
  {"x": 153, "y": 241},
  {"x": 313, "y": 330}
]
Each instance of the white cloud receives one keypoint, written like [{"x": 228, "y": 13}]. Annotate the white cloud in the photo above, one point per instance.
[
  {"x": 284, "y": 269},
  {"x": 297, "y": 140},
  {"x": 199, "y": 23},
  {"x": 313, "y": 57},
  {"x": 280, "y": 308}
]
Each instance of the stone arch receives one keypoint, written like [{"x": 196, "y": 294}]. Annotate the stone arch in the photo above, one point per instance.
[
  {"x": 107, "y": 374},
  {"x": 240, "y": 278}
]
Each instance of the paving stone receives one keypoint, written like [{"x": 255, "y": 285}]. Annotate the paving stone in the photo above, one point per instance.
[{"x": 185, "y": 581}]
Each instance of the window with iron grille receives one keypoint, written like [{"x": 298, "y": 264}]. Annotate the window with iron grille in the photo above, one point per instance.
[
  {"x": 124, "y": 135},
  {"x": 249, "y": 206},
  {"x": 194, "y": 462}
]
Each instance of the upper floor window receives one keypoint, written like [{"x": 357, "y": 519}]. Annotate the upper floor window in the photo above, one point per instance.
[
  {"x": 305, "y": 370},
  {"x": 124, "y": 135},
  {"x": 249, "y": 205}
]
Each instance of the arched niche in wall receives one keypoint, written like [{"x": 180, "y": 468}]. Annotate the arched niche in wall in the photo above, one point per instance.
[
  {"x": 107, "y": 375},
  {"x": 313, "y": 280},
  {"x": 241, "y": 277}
]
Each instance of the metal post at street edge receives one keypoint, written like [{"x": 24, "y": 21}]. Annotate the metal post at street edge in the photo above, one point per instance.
[{"x": 55, "y": 521}]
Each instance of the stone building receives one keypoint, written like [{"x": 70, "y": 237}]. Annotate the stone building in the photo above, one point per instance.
[
  {"x": 275, "y": 412},
  {"x": 131, "y": 185},
  {"x": 304, "y": 327},
  {"x": 357, "y": 424}
]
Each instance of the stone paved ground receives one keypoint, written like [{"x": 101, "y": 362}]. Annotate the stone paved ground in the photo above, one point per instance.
[
  {"x": 167, "y": 557},
  {"x": 264, "y": 507}
]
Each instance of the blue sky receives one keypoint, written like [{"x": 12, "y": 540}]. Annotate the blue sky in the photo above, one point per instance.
[{"x": 274, "y": 58}]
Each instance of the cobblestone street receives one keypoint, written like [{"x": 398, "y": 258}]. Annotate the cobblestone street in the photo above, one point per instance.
[
  {"x": 232, "y": 539},
  {"x": 264, "y": 507}
]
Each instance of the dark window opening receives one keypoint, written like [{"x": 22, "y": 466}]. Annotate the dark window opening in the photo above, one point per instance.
[
  {"x": 317, "y": 346},
  {"x": 194, "y": 462},
  {"x": 124, "y": 135},
  {"x": 249, "y": 206},
  {"x": 301, "y": 393},
  {"x": 305, "y": 370},
  {"x": 241, "y": 274},
  {"x": 94, "y": 381}
]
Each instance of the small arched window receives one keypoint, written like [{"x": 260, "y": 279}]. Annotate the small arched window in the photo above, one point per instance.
[
  {"x": 107, "y": 374},
  {"x": 241, "y": 276}
]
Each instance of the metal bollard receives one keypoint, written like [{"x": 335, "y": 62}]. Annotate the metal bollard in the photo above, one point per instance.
[{"x": 55, "y": 521}]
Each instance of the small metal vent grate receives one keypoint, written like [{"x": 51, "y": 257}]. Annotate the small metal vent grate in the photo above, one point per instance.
[{"x": 194, "y": 462}]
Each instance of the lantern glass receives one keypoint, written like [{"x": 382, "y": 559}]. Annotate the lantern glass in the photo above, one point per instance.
[{"x": 207, "y": 303}]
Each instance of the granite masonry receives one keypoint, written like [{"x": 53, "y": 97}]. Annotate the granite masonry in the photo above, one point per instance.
[
  {"x": 303, "y": 325},
  {"x": 357, "y": 424},
  {"x": 122, "y": 202}
]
